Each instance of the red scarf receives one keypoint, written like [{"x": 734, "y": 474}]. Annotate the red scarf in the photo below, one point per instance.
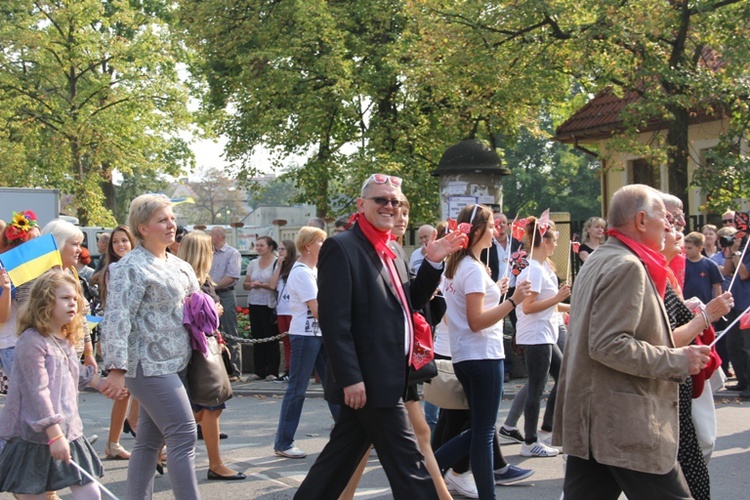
[
  {"x": 654, "y": 261},
  {"x": 379, "y": 239}
]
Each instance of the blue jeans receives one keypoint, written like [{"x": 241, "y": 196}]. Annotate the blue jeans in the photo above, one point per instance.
[
  {"x": 307, "y": 353},
  {"x": 482, "y": 381},
  {"x": 6, "y": 360},
  {"x": 431, "y": 413}
]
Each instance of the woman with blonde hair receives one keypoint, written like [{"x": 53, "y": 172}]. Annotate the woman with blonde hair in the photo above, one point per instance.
[
  {"x": 308, "y": 351},
  {"x": 196, "y": 249},
  {"x": 593, "y": 236},
  {"x": 146, "y": 346}
]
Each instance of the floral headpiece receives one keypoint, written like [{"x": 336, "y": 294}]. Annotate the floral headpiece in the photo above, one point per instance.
[{"x": 18, "y": 231}]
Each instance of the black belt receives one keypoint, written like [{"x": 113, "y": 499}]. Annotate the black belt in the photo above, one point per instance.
[{"x": 230, "y": 289}]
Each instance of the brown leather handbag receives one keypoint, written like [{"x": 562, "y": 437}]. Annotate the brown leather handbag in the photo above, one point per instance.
[{"x": 208, "y": 382}]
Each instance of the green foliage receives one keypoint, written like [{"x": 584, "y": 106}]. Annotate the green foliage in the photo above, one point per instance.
[{"x": 89, "y": 87}]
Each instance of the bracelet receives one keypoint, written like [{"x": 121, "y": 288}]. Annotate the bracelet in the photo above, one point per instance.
[
  {"x": 705, "y": 318},
  {"x": 88, "y": 353},
  {"x": 54, "y": 439},
  {"x": 510, "y": 299}
]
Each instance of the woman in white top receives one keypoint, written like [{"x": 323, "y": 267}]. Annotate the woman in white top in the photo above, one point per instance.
[
  {"x": 261, "y": 301},
  {"x": 537, "y": 331},
  {"x": 474, "y": 316},
  {"x": 307, "y": 343}
]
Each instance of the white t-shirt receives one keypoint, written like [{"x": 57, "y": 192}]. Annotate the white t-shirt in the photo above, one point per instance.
[
  {"x": 471, "y": 277},
  {"x": 442, "y": 342},
  {"x": 542, "y": 327},
  {"x": 283, "y": 307},
  {"x": 302, "y": 286}
]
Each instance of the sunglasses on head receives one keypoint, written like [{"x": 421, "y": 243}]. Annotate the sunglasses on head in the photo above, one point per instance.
[
  {"x": 382, "y": 179},
  {"x": 394, "y": 202}
]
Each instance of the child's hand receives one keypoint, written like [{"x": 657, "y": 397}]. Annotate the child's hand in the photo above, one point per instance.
[
  {"x": 60, "y": 449},
  {"x": 4, "y": 279}
]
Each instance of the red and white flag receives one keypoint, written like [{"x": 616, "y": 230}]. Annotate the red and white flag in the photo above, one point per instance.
[{"x": 544, "y": 222}]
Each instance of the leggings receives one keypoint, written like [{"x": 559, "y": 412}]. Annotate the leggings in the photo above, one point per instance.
[{"x": 165, "y": 415}]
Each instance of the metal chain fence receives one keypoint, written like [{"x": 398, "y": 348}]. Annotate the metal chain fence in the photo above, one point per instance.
[{"x": 255, "y": 341}]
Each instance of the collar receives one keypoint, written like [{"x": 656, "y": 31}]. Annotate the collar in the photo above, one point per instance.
[{"x": 655, "y": 262}]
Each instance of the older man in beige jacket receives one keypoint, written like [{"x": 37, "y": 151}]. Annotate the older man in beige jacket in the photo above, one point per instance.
[{"x": 617, "y": 401}]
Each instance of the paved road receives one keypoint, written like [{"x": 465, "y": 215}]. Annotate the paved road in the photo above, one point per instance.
[{"x": 251, "y": 421}]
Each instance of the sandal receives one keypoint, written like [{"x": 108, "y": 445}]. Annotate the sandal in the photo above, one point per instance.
[{"x": 115, "y": 451}]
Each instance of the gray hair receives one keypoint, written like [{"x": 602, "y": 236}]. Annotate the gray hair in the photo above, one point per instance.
[
  {"x": 629, "y": 200},
  {"x": 671, "y": 202},
  {"x": 63, "y": 231},
  {"x": 142, "y": 208}
]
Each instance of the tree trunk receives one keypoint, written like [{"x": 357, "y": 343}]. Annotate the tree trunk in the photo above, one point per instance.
[{"x": 678, "y": 154}]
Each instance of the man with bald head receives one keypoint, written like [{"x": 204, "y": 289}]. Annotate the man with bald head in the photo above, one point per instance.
[
  {"x": 425, "y": 234},
  {"x": 225, "y": 271},
  {"x": 617, "y": 411}
]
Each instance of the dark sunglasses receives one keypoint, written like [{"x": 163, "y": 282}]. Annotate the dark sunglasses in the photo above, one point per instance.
[
  {"x": 727, "y": 221},
  {"x": 385, "y": 201}
]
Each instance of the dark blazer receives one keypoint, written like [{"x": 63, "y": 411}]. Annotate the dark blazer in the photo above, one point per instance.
[
  {"x": 496, "y": 271},
  {"x": 361, "y": 318}
]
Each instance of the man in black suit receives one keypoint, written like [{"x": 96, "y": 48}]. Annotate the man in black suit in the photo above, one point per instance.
[{"x": 365, "y": 320}]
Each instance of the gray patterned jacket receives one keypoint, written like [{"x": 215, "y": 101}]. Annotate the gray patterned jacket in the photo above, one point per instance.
[{"x": 143, "y": 317}]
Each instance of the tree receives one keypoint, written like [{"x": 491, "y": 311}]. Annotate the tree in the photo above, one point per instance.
[
  {"x": 217, "y": 200},
  {"x": 89, "y": 87}
]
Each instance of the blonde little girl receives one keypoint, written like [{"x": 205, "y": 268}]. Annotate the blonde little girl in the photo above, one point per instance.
[{"x": 40, "y": 429}]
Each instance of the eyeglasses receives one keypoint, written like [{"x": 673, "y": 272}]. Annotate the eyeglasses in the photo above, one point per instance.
[
  {"x": 727, "y": 221},
  {"x": 178, "y": 238},
  {"x": 394, "y": 202},
  {"x": 382, "y": 179}
]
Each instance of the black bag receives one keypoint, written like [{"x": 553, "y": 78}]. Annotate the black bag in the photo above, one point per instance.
[
  {"x": 208, "y": 381},
  {"x": 227, "y": 361},
  {"x": 427, "y": 372}
]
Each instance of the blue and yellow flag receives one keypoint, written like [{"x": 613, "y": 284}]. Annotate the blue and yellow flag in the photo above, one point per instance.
[
  {"x": 93, "y": 321},
  {"x": 31, "y": 259}
]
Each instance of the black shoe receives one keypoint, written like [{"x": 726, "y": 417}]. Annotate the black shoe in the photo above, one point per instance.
[
  {"x": 736, "y": 387},
  {"x": 200, "y": 433},
  {"x": 506, "y": 378},
  {"x": 160, "y": 469},
  {"x": 126, "y": 428},
  {"x": 212, "y": 475}
]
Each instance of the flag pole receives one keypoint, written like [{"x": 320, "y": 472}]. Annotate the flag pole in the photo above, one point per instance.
[
  {"x": 100, "y": 485},
  {"x": 567, "y": 273},
  {"x": 736, "y": 271},
  {"x": 725, "y": 330}
]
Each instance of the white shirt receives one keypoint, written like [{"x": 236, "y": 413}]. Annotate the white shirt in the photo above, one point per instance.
[
  {"x": 283, "y": 306},
  {"x": 503, "y": 256},
  {"x": 417, "y": 257},
  {"x": 471, "y": 277},
  {"x": 541, "y": 327},
  {"x": 302, "y": 286}
]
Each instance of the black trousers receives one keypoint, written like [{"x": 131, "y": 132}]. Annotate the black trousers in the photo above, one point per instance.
[
  {"x": 266, "y": 355},
  {"x": 388, "y": 429},
  {"x": 590, "y": 480}
]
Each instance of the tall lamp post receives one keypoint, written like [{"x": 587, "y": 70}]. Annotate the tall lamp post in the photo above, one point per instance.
[{"x": 226, "y": 217}]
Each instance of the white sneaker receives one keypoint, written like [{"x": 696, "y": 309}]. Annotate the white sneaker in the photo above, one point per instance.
[
  {"x": 463, "y": 484},
  {"x": 544, "y": 437},
  {"x": 292, "y": 452},
  {"x": 538, "y": 449}
]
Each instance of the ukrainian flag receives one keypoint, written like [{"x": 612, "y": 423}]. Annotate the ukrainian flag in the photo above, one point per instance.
[
  {"x": 31, "y": 259},
  {"x": 93, "y": 321}
]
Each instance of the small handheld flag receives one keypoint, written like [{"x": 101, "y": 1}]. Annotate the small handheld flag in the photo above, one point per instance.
[{"x": 31, "y": 259}]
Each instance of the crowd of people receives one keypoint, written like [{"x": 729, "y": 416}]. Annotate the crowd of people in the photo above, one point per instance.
[{"x": 630, "y": 344}]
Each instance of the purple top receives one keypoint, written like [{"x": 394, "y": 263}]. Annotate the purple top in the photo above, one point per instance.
[{"x": 44, "y": 389}]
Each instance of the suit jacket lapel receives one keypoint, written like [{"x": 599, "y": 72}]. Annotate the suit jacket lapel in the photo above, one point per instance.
[{"x": 377, "y": 262}]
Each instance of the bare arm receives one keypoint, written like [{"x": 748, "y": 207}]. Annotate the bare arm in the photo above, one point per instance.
[{"x": 480, "y": 318}]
